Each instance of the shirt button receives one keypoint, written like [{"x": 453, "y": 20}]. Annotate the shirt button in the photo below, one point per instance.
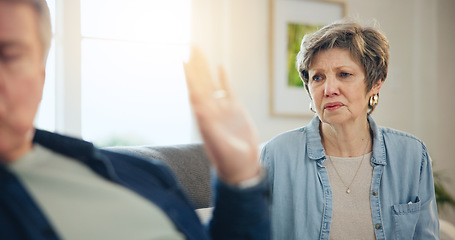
[
  {"x": 378, "y": 226},
  {"x": 375, "y": 193}
]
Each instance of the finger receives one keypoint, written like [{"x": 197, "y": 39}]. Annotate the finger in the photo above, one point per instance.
[
  {"x": 199, "y": 72},
  {"x": 190, "y": 77},
  {"x": 196, "y": 76},
  {"x": 223, "y": 81}
]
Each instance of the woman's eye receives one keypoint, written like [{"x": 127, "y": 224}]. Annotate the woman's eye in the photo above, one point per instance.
[
  {"x": 317, "y": 78},
  {"x": 344, "y": 75}
]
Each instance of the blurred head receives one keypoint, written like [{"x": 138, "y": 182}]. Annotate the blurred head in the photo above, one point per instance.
[
  {"x": 44, "y": 22},
  {"x": 367, "y": 46},
  {"x": 24, "y": 43}
]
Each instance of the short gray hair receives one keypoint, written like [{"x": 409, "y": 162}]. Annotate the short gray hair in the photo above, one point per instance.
[{"x": 367, "y": 45}]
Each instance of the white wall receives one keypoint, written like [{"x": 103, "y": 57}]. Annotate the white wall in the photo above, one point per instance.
[
  {"x": 442, "y": 144},
  {"x": 418, "y": 96}
]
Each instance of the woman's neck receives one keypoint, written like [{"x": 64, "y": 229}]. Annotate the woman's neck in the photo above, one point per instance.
[{"x": 346, "y": 140}]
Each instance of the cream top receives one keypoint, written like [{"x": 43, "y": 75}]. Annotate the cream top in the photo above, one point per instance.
[
  {"x": 82, "y": 205},
  {"x": 352, "y": 217}
]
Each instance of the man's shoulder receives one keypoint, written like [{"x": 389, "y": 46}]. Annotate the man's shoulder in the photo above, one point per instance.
[
  {"x": 116, "y": 163},
  {"x": 63, "y": 144},
  {"x": 127, "y": 164}
]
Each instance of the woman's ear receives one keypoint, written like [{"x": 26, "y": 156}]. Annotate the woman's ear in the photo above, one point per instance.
[{"x": 376, "y": 87}]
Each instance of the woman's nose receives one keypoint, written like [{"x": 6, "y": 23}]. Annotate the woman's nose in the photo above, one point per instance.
[{"x": 331, "y": 87}]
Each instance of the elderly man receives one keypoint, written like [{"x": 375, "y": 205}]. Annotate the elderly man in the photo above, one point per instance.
[{"x": 53, "y": 186}]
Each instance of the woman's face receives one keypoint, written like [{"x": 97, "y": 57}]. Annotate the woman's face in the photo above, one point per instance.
[{"x": 337, "y": 87}]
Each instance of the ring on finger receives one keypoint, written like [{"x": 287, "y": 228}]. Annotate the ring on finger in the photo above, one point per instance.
[{"x": 219, "y": 94}]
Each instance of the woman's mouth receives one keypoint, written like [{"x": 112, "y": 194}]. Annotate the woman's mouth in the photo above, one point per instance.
[{"x": 333, "y": 106}]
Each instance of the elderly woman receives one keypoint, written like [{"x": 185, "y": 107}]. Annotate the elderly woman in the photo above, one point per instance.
[{"x": 342, "y": 176}]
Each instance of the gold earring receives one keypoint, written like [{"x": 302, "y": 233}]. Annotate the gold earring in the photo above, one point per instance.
[{"x": 374, "y": 100}]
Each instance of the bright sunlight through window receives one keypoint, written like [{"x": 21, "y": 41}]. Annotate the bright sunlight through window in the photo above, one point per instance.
[{"x": 133, "y": 90}]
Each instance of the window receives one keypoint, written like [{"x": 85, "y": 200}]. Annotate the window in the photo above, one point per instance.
[{"x": 132, "y": 87}]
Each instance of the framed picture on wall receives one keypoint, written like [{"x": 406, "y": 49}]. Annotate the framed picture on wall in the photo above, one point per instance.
[{"x": 290, "y": 20}]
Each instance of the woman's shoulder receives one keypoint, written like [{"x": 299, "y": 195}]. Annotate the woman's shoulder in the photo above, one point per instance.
[
  {"x": 288, "y": 137},
  {"x": 402, "y": 141},
  {"x": 394, "y": 134}
]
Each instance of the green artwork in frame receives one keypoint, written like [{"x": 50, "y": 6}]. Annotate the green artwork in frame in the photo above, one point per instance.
[
  {"x": 296, "y": 32},
  {"x": 290, "y": 20}
]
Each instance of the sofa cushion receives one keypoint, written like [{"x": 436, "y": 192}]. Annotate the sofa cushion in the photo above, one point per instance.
[{"x": 188, "y": 162}]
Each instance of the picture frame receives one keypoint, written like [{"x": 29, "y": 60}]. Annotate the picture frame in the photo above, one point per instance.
[{"x": 289, "y": 21}]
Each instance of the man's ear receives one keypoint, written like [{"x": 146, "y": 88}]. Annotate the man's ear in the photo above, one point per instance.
[
  {"x": 43, "y": 73},
  {"x": 43, "y": 80}
]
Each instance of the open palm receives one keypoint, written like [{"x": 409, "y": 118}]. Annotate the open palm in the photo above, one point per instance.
[{"x": 228, "y": 132}]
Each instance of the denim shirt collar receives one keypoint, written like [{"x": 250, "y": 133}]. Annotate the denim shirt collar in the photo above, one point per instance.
[
  {"x": 378, "y": 156},
  {"x": 314, "y": 145},
  {"x": 316, "y": 150}
]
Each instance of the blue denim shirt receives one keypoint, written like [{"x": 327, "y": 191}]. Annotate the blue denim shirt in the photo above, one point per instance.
[{"x": 402, "y": 196}]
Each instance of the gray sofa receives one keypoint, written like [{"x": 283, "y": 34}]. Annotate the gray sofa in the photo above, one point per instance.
[{"x": 188, "y": 162}]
